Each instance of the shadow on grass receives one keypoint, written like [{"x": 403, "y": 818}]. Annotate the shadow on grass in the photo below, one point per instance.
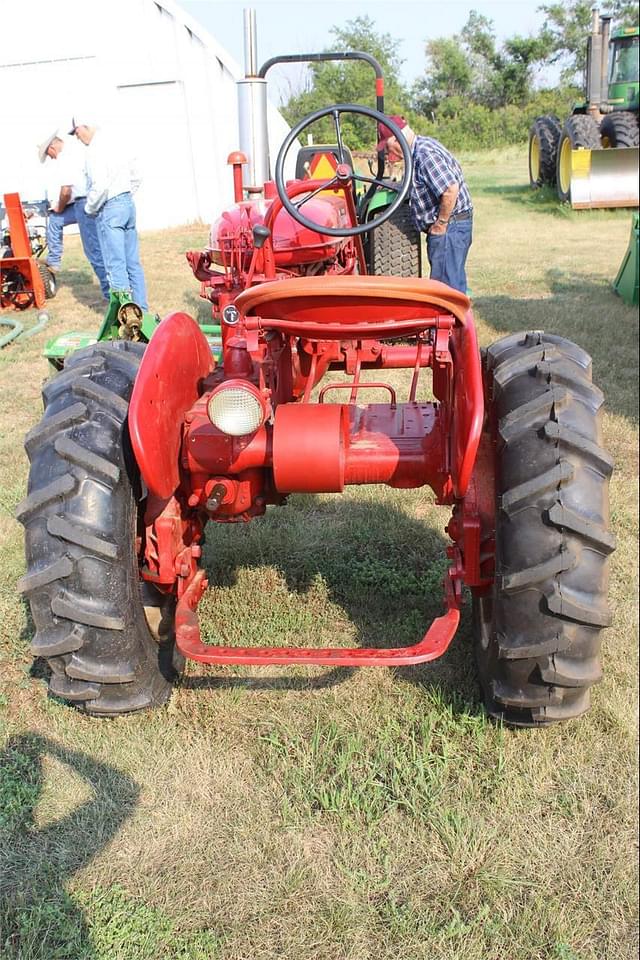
[
  {"x": 37, "y": 917},
  {"x": 592, "y": 315},
  {"x": 84, "y": 287},
  {"x": 543, "y": 200},
  {"x": 384, "y": 568}
]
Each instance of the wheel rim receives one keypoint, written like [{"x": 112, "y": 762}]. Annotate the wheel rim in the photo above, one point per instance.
[
  {"x": 565, "y": 166},
  {"x": 534, "y": 158}
]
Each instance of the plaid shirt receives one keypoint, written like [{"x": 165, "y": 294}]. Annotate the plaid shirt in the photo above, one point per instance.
[{"x": 434, "y": 169}]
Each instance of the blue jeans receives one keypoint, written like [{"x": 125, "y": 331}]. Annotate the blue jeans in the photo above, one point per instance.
[
  {"x": 74, "y": 213},
  {"x": 447, "y": 253},
  {"x": 116, "y": 222}
]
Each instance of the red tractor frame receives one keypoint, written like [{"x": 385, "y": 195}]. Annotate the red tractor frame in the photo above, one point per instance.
[{"x": 140, "y": 448}]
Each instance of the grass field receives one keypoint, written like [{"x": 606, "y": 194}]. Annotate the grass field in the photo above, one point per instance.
[{"x": 317, "y": 814}]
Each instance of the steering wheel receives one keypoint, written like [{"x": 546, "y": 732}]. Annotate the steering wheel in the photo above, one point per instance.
[{"x": 344, "y": 174}]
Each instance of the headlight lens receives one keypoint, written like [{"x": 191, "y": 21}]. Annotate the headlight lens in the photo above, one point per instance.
[{"x": 236, "y": 411}]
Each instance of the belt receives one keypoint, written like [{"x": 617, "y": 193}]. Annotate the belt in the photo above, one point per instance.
[{"x": 465, "y": 215}]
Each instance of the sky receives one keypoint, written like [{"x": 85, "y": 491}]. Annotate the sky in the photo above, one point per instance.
[{"x": 296, "y": 26}]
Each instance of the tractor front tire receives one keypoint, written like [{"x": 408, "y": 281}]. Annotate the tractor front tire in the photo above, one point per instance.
[
  {"x": 395, "y": 247},
  {"x": 537, "y": 633},
  {"x": 579, "y": 130},
  {"x": 107, "y": 636},
  {"x": 544, "y": 137},
  {"x": 48, "y": 280},
  {"x": 620, "y": 129}
]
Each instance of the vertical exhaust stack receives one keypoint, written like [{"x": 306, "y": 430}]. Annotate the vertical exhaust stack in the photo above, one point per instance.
[
  {"x": 594, "y": 65},
  {"x": 605, "y": 21},
  {"x": 252, "y": 112}
]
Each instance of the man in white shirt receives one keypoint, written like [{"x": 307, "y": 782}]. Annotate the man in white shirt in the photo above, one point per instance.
[
  {"x": 112, "y": 182},
  {"x": 68, "y": 192}
]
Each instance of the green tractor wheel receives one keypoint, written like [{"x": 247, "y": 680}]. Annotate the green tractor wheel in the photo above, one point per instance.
[
  {"x": 395, "y": 247},
  {"x": 620, "y": 129},
  {"x": 580, "y": 130},
  {"x": 544, "y": 136}
]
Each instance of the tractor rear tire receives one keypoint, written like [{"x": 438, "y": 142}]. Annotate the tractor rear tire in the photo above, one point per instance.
[
  {"x": 620, "y": 129},
  {"x": 395, "y": 247},
  {"x": 580, "y": 130},
  {"x": 110, "y": 651},
  {"x": 48, "y": 279},
  {"x": 537, "y": 634},
  {"x": 544, "y": 137}
]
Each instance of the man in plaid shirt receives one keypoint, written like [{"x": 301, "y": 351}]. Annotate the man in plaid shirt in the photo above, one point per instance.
[{"x": 439, "y": 199}]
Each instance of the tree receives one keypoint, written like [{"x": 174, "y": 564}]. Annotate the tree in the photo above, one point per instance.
[
  {"x": 351, "y": 82},
  {"x": 449, "y": 74},
  {"x": 568, "y": 25},
  {"x": 514, "y": 68},
  {"x": 470, "y": 65}
]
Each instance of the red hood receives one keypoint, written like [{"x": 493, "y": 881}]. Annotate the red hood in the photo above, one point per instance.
[{"x": 328, "y": 211}]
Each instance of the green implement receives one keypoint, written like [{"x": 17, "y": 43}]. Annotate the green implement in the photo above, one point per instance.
[
  {"x": 626, "y": 283},
  {"x": 124, "y": 320}
]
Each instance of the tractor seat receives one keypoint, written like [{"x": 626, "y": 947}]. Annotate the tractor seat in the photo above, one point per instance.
[{"x": 358, "y": 306}]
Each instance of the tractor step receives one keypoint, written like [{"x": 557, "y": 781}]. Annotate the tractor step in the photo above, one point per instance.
[{"x": 189, "y": 642}]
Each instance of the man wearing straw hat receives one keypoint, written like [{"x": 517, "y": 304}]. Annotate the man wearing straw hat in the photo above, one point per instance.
[{"x": 67, "y": 204}]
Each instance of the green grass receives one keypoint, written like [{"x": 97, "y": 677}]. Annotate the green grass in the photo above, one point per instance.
[{"x": 319, "y": 814}]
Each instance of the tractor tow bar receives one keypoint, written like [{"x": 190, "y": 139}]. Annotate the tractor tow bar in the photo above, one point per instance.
[{"x": 433, "y": 644}]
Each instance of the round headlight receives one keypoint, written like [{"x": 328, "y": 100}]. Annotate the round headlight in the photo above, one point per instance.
[{"x": 236, "y": 411}]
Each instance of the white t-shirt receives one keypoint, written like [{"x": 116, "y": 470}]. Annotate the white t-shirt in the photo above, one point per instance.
[
  {"x": 68, "y": 170},
  {"x": 110, "y": 169}
]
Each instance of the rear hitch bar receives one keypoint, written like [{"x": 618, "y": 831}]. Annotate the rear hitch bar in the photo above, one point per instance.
[{"x": 433, "y": 644}]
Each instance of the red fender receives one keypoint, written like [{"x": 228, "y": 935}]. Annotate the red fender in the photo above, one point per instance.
[
  {"x": 467, "y": 406},
  {"x": 168, "y": 384}
]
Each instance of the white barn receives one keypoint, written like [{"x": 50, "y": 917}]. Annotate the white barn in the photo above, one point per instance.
[{"x": 148, "y": 66}]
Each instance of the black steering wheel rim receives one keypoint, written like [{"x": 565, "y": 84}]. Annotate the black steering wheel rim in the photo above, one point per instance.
[{"x": 336, "y": 110}]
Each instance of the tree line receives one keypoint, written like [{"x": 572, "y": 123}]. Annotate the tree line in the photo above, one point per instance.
[{"x": 475, "y": 91}]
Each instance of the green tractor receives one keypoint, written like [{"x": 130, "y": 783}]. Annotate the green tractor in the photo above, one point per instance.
[
  {"x": 395, "y": 247},
  {"x": 593, "y": 158}
]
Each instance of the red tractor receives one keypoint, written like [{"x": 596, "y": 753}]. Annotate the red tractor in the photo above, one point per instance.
[{"x": 140, "y": 447}]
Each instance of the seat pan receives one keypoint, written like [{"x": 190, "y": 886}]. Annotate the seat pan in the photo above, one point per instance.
[{"x": 352, "y": 300}]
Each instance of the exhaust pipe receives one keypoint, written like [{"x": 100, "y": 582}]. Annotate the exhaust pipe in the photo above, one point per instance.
[
  {"x": 594, "y": 66},
  {"x": 252, "y": 113},
  {"x": 605, "y": 20}
]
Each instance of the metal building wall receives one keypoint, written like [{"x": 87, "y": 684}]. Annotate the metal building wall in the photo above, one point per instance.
[{"x": 143, "y": 65}]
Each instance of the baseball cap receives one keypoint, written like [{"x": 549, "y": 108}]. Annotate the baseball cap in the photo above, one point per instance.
[
  {"x": 384, "y": 132},
  {"x": 44, "y": 146}
]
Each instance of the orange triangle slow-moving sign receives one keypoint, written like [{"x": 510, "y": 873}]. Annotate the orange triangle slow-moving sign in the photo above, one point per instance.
[{"x": 323, "y": 166}]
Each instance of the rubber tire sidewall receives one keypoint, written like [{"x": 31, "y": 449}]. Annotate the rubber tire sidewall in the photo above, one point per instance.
[
  {"x": 395, "y": 247},
  {"x": 94, "y": 511}
]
